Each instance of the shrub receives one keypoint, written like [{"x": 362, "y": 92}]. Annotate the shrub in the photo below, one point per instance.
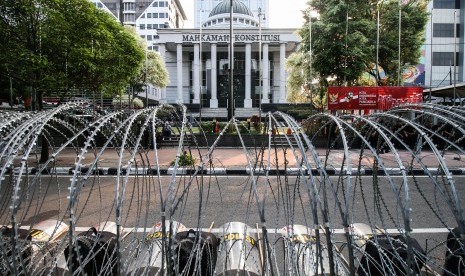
[{"x": 185, "y": 160}]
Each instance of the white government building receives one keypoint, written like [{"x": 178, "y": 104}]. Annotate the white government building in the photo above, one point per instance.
[{"x": 198, "y": 61}]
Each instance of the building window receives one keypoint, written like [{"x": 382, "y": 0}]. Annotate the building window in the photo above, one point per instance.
[
  {"x": 142, "y": 26},
  {"x": 150, "y": 48},
  {"x": 143, "y": 36},
  {"x": 149, "y": 37},
  {"x": 155, "y": 15},
  {"x": 155, "y": 48},
  {"x": 162, "y": 4},
  {"x": 149, "y": 26},
  {"x": 155, "y": 4},
  {"x": 162, "y": 15},
  {"x": 444, "y": 58},
  {"x": 445, "y": 30},
  {"x": 143, "y": 15},
  {"x": 446, "y": 4},
  {"x": 149, "y": 15}
]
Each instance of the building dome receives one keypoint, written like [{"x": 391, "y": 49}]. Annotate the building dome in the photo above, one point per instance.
[{"x": 225, "y": 7}]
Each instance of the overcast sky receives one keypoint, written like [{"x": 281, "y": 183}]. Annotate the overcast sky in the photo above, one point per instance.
[{"x": 283, "y": 13}]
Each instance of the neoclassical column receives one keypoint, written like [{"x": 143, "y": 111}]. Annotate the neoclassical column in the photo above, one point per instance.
[
  {"x": 248, "y": 75},
  {"x": 266, "y": 74},
  {"x": 196, "y": 74},
  {"x": 214, "y": 73},
  {"x": 179, "y": 72},
  {"x": 282, "y": 73},
  {"x": 162, "y": 51}
]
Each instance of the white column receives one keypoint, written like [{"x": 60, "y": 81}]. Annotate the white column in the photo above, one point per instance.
[
  {"x": 213, "y": 71},
  {"x": 266, "y": 74},
  {"x": 248, "y": 74},
  {"x": 196, "y": 74},
  {"x": 162, "y": 51},
  {"x": 179, "y": 69},
  {"x": 282, "y": 73}
]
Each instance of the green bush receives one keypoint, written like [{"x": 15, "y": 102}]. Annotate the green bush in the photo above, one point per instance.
[
  {"x": 185, "y": 160},
  {"x": 208, "y": 127}
]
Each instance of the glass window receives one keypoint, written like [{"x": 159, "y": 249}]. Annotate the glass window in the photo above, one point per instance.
[
  {"x": 149, "y": 15},
  {"x": 162, "y": 15},
  {"x": 150, "y": 48},
  {"x": 445, "y": 30},
  {"x": 143, "y": 15},
  {"x": 155, "y": 15},
  {"x": 149, "y": 26},
  {"x": 143, "y": 36},
  {"x": 149, "y": 37},
  {"x": 446, "y": 4},
  {"x": 142, "y": 26},
  {"x": 155, "y": 4},
  {"x": 162, "y": 4},
  {"x": 444, "y": 58}
]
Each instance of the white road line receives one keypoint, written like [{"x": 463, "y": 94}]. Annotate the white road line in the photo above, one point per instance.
[{"x": 274, "y": 231}]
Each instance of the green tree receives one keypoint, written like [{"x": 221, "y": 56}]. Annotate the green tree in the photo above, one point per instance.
[
  {"x": 153, "y": 68},
  {"x": 344, "y": 41},
  {"x": 56, "y": 45}
]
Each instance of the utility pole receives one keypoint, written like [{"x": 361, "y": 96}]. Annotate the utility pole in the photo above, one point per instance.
[
  {"x": 260, "y": 14},
  {"x": 431, "y": 59},
  {"x": 231, "y": 64},
  {"x": 400, "y": 37}
]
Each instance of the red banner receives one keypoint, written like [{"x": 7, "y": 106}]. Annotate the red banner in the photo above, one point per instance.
[{"x": 382, "y": 97}]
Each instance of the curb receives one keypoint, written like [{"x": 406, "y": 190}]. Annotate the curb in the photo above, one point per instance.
[{"x": 113, "y": 171}]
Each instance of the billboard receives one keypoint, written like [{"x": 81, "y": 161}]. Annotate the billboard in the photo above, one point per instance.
[{"x": 370, "y": 97}]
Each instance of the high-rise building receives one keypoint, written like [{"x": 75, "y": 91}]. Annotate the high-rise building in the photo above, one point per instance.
[
  {"x": 203, "y": 8},
  {"x": 445, "y": 38},
  {"x": 147, "y": 17}
]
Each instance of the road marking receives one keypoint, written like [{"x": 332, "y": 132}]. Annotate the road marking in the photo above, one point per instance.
[{"x": 278, "y": 231}]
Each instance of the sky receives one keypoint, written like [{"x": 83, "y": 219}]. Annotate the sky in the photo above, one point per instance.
[{"x": 283, "y": 13}]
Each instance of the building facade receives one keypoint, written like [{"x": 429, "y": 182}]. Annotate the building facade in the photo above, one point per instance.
[
  {"x": 203, "y": 8},
  {"x": 147, "y": 17},
  {"x": 198, "y": 62},
  {"x": 445, "y": 44}
]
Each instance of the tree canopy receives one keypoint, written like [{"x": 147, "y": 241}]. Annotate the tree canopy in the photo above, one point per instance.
[
  {"x": 153, "y": 70},
  {"x": 57, "y": 45},
  {"x": 344, "y": 41}
]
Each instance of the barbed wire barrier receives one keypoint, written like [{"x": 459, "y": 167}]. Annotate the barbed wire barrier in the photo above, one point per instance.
[{"x": 99, "y": 194}]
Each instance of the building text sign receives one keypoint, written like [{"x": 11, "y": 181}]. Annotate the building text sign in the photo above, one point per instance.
[{"x": 225, "y": 38}]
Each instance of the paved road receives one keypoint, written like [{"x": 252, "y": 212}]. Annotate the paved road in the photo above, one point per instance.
[{"x": 223, "y": 199}]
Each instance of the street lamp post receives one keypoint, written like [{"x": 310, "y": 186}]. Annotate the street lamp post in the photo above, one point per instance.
[
  {"x": 260, "y": 15},
  {"x": 200, "y": 65},
  {"x": 145, "y": 79},
  {"x": 455, "y": 54},
  {"x": 377, "y": 45},
  {"x": 431, "y": 59},
  {"x": 310, "y": 57},
  {"x": 231, "y": 64},
  {"x": 400, "y": 37},
  {"x": 345, "y": 55}
]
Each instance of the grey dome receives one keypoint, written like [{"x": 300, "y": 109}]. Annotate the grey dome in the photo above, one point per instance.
[{"x": 225, "y": 7}]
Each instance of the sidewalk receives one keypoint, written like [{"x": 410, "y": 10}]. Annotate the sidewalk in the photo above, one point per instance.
[{"x": 239, "y": 161}]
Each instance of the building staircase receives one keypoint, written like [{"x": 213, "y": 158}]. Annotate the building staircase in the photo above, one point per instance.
[{"x": 222, "y": 113}]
